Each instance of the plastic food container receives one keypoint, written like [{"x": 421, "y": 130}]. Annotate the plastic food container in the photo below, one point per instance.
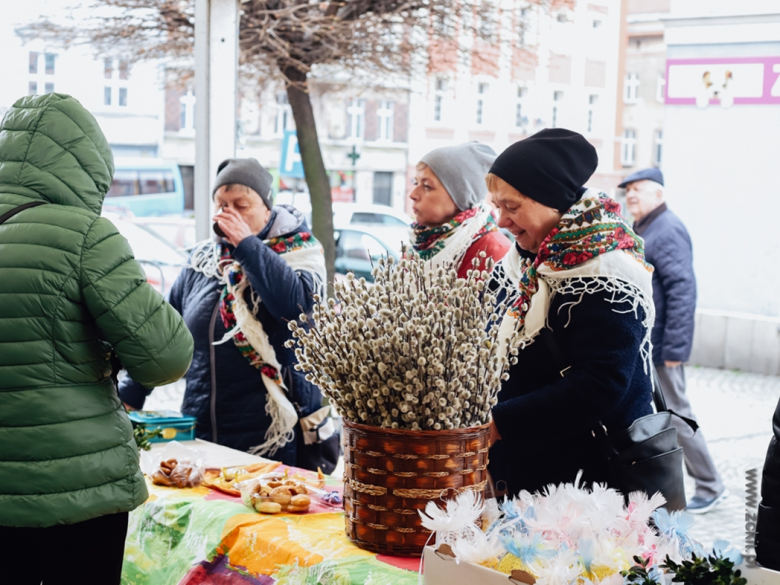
[{"x": 174, "y": 425}]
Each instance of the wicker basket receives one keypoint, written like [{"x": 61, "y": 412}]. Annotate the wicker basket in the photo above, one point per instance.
[{"x": 391, "y": 474}]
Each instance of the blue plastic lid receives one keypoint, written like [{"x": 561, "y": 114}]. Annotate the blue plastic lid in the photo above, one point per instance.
[{"x": 159, "y": 416}]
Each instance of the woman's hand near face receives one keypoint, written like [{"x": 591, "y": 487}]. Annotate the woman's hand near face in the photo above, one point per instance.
[{"x": 234, "y": 226}]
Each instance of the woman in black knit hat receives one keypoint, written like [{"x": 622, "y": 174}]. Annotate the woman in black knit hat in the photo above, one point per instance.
[{"x": 578, "y": 270}]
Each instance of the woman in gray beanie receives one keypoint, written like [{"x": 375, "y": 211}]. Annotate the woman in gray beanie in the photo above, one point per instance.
[{"x": 454, "y": 224}]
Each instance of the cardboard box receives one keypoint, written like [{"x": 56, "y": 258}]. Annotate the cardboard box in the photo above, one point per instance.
[
  {"x": 760, "y": 575},
  {"x": 440, "y": 568}
]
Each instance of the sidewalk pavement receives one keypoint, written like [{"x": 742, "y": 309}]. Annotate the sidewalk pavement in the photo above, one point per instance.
[{"x": 734, "y": 410}]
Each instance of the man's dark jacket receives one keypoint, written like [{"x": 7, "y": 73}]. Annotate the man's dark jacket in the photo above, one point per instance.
[
  {"x": 668, "y": 248},
  {"x": 229, "y": 399}
]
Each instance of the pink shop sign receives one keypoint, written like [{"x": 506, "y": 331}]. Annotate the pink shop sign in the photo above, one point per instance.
[{"x": 723, "y": 81}]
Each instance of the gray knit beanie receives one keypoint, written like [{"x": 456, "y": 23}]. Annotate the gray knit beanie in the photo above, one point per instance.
[
  {"x": 462, "y": 169},
  {"x": 247, "y": 172}
]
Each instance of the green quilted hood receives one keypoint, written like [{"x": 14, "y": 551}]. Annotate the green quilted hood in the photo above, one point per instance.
[{"x": 51, "y": 148}]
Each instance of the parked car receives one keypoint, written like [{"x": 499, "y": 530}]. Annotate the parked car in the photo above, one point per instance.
[
  {"x": 356, "y": 249},
  {"x": 174, "y": 229},
  {"x": 373, "y": 215},
  {"x": 161, "y": 260},
  {"x": 387, "y": 224}
]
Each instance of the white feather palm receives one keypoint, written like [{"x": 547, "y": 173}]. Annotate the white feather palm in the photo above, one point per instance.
[{"x": 460, "y": 512}]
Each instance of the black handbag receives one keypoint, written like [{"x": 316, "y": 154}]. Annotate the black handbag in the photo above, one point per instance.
[{"x": 646, "y": 456}]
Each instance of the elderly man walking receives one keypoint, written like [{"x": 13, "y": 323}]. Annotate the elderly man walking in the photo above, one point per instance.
[{"x": 668, "y": 248}]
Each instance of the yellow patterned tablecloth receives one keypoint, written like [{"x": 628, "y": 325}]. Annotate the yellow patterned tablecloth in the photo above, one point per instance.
[{"x": 198, "y": 536}]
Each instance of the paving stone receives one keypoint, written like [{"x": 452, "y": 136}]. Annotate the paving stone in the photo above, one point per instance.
[{"x": 735, "y": 412}]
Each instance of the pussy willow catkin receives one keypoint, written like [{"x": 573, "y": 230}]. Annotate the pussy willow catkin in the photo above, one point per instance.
[{"x": 416, "y": 350}]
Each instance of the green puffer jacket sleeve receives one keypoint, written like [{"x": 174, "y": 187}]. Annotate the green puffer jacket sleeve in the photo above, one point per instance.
[{"x": 147, "y": 334}]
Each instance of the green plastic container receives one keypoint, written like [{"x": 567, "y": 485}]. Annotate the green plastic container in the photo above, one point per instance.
[{"x": 175, "y": 425}]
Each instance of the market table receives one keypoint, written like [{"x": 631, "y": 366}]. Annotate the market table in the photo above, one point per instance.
[{"x": 199, "y": 535}]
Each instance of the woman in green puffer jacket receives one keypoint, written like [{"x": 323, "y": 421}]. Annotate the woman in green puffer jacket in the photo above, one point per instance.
[{"x": 70, "y": 294}]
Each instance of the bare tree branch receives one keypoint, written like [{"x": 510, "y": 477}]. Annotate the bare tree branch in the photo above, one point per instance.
[{"x": 285, "y": 39}]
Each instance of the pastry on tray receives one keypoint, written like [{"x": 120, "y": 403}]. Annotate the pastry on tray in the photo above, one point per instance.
[
  {"x": 226, "y": 479},
  {"x": 173, "y": 473},
  {"x": 274, "y": 496}
]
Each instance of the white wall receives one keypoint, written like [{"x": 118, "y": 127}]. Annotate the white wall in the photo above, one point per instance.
[
  {"x": 720, "y": 169},
  {"x": 720, "y": 164}
]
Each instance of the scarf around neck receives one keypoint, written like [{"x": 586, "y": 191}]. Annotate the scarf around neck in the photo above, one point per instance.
[
  {"x": 592, "y": 249},
  {"x": 302, "y": 252},
  {"x": 449, "y": 243}
]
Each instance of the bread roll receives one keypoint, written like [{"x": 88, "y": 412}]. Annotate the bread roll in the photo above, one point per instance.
[{"x": 266, "y": 507}]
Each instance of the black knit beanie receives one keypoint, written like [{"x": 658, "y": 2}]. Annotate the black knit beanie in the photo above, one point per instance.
[
  {"x": 247, "y": 172},
  {"x": 549, "y": 167}
]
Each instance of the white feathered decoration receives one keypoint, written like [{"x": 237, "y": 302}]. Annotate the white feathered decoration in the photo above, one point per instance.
[{"x": 563, "y": 536}]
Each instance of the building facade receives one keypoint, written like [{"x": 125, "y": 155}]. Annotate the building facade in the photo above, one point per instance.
[
  {"x": 363, "y": 134},
  {"x": 551, "y": 67},
  {"x": 126, "y": 99},
  {"x": 644, "y": 79},
  {"x": 547, "y": 68}
]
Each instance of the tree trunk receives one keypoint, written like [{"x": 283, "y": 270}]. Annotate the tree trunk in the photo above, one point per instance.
[{"x": 313, "y": 167}]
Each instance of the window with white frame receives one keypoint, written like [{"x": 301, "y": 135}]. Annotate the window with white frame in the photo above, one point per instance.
[
  {"x": 116, "y": 72},
  {"x": 438, "y": 99},
  {"x": 631, "y": 88},
  {"x": 385, "y": 115},
  {"x": 521, "y": 115},
  {"x": 658, "y": 147},
  {"x": 357, "y": 119},
  {"x": 523, "y": 26},
  {"x": 482, "y": 90},
  {"x": 593, "y": 100},
  {"x": 284, "y": 118},
  {"x": 441, "y": 22},
  {"x": 42, "y": 70},
  {"x": 628, "y": 148},
  {"x": 556, "y": 109},
  {"x": 440, "y": 90},
  {"x": 659, "y": 88},
  {"x": 187, "y": 112},
  {"x": 486, "y": 25}
]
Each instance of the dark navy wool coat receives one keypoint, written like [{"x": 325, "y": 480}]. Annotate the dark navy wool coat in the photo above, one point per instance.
[
  {"x": 224, "y": 392},
  {"x": 545, "y": 420}
]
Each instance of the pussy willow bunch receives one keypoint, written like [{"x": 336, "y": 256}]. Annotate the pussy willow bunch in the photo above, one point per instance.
[{"x": 416, "y": 350}]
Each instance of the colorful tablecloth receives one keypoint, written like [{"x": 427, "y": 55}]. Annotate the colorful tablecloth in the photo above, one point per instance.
[{"x": 198, "y": 536}]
